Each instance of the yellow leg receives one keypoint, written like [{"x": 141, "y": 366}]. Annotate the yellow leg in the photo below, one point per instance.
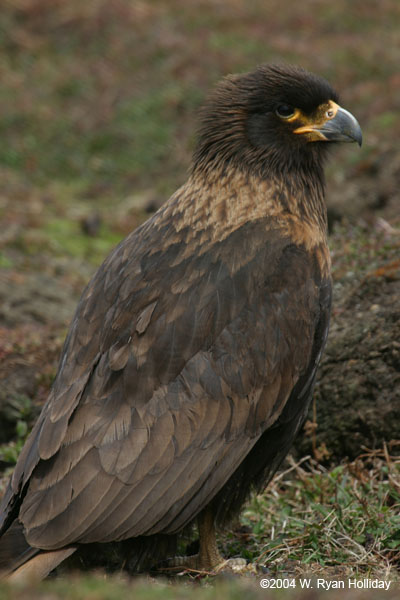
[{"x": 208, "y": 557}]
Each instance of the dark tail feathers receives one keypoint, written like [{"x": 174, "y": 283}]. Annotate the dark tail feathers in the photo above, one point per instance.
[{"x": 14, "y": 549}]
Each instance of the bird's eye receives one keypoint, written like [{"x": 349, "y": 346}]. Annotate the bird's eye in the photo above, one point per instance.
[{"x": 285, "y": 111}]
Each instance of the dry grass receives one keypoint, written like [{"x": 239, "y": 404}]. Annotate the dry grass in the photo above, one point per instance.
[
  {"x": 341, "y": 520},
  {"x": 98, "y": 103}
]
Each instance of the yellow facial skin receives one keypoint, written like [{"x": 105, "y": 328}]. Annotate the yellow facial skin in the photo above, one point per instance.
[
  {"x": 311, "y": 126},
  {"x": 328, "y": 123}
]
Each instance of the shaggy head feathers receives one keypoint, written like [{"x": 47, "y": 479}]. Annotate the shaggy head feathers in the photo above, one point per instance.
[{"x": 239, "y": 126}]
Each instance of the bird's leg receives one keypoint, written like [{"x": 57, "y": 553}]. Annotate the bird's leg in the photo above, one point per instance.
[{"x": 208, "y": 558}]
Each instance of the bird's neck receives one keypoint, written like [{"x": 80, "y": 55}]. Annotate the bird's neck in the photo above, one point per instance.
[
  {"x": 208, "y": 210},
  {"x": 302, "y": 194},
  {"x": 221, "y": 201}
]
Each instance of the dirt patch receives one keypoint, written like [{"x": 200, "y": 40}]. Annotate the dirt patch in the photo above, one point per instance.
[{"x": 357, "y": 395}]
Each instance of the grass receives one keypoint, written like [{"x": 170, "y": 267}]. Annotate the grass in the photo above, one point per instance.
[
  {"x": 121, "y": 111},
  {"x": 97, "y": 110},
  {"x": 99, "y": 588},
  {"x": 18, "y": 410},
  {"x": 312, "y": 522},
  {"x": 328, "y": 518}
]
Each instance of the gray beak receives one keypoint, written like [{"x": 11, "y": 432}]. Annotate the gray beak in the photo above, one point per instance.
[{"x": 342, "y": 128}]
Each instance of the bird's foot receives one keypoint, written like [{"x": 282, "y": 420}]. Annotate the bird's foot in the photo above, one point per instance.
[
  {"x": 203, "y": 565},
  {"x": 232, "y": 565},
  {"x": 208, "y": 560}
]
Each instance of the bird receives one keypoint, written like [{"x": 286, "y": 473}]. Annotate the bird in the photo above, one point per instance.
[{"x": 190, "y": 362}]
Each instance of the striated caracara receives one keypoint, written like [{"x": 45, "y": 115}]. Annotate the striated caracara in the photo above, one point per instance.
[{"x": 190, "y": 361}]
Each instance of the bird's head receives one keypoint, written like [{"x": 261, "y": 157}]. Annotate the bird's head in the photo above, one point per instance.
[{"x": 278, "y": 117}]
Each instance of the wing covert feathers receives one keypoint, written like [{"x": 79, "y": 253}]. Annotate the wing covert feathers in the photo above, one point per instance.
[
  {"x": 190, "y": 362},
  {"x": 184, "y": 350}
]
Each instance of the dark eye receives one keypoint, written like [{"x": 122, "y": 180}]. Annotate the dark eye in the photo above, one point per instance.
[{"x": 285, "y": 111}]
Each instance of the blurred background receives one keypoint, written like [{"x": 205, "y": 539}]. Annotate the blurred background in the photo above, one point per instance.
[
  {"x": 98, "y": 105},
  {"x": 98, "y": 99}
]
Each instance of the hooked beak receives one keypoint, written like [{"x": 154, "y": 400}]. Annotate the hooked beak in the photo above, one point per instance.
[{"x": 342, "y": 127}]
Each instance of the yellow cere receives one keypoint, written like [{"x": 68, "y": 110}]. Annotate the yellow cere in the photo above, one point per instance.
[{"x": 325, "y": 112}]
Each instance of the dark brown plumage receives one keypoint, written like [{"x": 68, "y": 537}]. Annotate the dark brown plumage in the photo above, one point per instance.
[{"x": 190, "y": 361}]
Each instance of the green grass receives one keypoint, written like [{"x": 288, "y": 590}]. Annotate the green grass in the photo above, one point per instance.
[
  {"x": 349, "y": 515},
  {"x": 109, "y": 95},
  {"x": 311, "y": 522},
  {"x": 117, "y": 588},
  {"x": 66, "y": 237},
  {"x": 19, "y": 411},
  {"x": 98, "y": 104}
]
